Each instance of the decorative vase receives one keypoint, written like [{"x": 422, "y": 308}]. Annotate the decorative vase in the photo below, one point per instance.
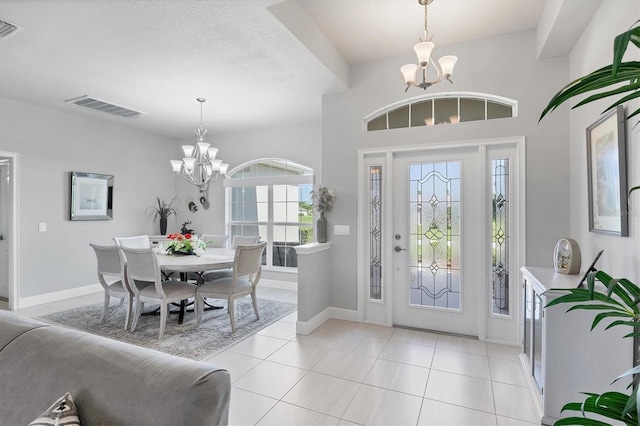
[
  {"x": 163, "y": 226},
  {"x": 321, "y": 227}
]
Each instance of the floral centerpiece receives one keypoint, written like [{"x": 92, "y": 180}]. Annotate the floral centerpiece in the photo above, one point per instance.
[{"x": 184, "y": 244}]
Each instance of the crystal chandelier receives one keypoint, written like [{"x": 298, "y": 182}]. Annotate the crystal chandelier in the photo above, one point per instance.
[
  {"x": 199, "y": 166},
  {"x": 423, "y": 50}
]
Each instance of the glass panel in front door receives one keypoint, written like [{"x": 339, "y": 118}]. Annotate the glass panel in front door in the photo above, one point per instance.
[{"x": 434, "y": 234}]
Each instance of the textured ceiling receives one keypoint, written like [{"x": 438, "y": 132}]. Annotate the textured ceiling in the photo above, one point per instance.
[{"x": 158, "y": 56}]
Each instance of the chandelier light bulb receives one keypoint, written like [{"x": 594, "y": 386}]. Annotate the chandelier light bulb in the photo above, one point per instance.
[
  {"x": 447, "y": 63},
  {"x": 188, "y": 150},
  {"x": 423, "y": 50}
]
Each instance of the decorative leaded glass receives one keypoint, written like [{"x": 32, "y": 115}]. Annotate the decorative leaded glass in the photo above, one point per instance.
[
  {"x": 500, "y": 235},
  {"x": 434, "y": 234},
  {"x": 375, "y": 232}
]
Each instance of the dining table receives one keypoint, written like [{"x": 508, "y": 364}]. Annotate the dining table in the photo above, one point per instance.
[{"x": 214, "y": 258}]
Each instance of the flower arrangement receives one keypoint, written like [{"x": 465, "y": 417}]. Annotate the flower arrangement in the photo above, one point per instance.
[
  {"x": 185, "y": 244},
  {"x": 323, "y": 198}
]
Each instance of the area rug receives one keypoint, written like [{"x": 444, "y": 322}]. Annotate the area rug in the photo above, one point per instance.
[{"x": 186, "y": 340}]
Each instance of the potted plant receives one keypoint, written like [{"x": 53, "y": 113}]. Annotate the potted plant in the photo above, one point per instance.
[
  {"x": 323, "y": 199},
  {"x": 162, "y": 209}
]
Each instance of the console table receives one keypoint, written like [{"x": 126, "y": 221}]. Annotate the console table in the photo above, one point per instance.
[{"x": 562, "y": 357}]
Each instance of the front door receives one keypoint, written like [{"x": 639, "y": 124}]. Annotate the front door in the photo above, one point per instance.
[{"x": 439, "y": 240}]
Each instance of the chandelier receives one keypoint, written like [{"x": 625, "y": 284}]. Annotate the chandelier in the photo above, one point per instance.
[
  {"x": 199, "y": 166},
  {"x": 423, "y": 50}
]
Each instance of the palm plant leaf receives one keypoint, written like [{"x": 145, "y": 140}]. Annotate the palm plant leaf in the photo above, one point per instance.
[
  {"x": 611, "y": 405},
  {"x": 622, "y": 41},
  {"x": 616, "y": 73}
]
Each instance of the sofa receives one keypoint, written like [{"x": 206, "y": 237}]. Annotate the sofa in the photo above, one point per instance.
[{"x": 111, "y": 382}]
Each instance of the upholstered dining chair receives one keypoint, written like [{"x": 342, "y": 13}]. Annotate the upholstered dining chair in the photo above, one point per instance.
[
  {"x": 247, "y": 268},
  {"x": 224, "y": 273},
  {"x": 139, "y": 241},
  {"x": 244, "y": 239},
  {"x": 111, "y": 277},
  {"x": 142, "y": 266},
  {"x": 215, "y": 241}
]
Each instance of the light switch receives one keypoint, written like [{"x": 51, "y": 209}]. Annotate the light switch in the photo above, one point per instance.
[
  {"x": 42, "y": 227},
  {"x": 341, "y": 230}
]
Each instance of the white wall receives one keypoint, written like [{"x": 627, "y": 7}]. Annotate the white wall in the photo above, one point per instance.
[
  {"x": 51, "y": 144},
  {"x": 593, "y": 50},
  {"x": 504, "y": 66}
]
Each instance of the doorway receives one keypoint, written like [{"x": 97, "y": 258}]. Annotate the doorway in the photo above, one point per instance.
[
  {"x": 442, "y": 237},
  {"x": 8, "y": 230}
]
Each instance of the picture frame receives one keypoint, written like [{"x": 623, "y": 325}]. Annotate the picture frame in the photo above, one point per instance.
[
  {"x": 91, "y": 196},
  {"x": 607, "y": 174}
]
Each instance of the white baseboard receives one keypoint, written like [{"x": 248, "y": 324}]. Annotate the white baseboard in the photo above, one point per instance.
[
  {"x": 281, "y": 285},
  {"x": 25, "y": 302},
  {"x": 306, "y": 327}
]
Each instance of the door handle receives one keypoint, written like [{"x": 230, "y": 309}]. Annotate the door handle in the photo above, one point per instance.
[
  {"x": 1, "y": 237},
  {"x": 398, "y": 249}
]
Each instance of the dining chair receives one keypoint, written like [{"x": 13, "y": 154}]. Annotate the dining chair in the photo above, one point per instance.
[
  {"x": 139, "y": 241},
  {"x": 247, "y": 269},
  {"x": 142, "y": 266},
  {"x": 215, "y": 241},
  {"x": 109, "y": 268},
  {"x": 244, "y": 240}
]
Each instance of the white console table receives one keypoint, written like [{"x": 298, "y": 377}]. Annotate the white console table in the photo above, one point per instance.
[{"x": 562, "y": 358}]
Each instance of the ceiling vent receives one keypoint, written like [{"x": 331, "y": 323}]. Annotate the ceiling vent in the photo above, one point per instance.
[
  {"x": 7, "y": 29},
  {"x": 104, "y": 106}
]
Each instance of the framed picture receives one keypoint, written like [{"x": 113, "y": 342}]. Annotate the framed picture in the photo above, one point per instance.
[
  {"x": 91, "y": 196},
  {"x": 607, "y": 174}
]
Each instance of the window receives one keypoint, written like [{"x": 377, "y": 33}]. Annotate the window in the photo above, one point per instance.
[
  {"x": 500, "y": 235},
  {"x": 271, "y": 198},
  {"x": 440, "y": 108}
]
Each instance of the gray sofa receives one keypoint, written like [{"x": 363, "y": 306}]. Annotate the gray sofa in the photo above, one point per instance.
[{"x": 112, "y": 383}]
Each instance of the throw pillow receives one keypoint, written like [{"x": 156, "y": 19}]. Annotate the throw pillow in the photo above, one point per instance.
[{"x": 63, "y": 412}]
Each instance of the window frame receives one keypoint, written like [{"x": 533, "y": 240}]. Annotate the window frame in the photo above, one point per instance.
[
  {"x": 306, "y": 178},
  {"x": 433, "y": 97}
]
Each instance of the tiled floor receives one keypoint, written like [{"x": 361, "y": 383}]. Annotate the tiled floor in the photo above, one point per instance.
[{"x": 351, "y": 373}]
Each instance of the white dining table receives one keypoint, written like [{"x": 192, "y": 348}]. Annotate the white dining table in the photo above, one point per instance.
[{"x": 213, "y": 259}]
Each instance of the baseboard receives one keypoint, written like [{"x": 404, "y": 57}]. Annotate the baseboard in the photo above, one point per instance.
[
  {"x": 504, "y": 342},
  {"x": 306, "y": 327},
  {"x": 280, "y": 285},
  {"x": 25, "y": 302}
]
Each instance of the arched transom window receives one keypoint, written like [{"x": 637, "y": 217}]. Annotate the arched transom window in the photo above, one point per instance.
[{"x": 440, "y": 108}]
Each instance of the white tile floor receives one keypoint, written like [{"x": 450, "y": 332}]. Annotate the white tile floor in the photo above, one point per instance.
[{"x": 347, "y": 373}]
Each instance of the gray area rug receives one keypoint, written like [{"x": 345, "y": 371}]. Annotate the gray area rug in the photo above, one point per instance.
[{"x": 186, "y": 340}]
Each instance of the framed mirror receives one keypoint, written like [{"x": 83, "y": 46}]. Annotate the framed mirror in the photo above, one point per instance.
[{"x": 91, "y": 196}]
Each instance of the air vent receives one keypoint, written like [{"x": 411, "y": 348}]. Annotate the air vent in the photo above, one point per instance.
[
  {"x": 104, "y": 106},
  {"x": 7, "y": 29}
]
